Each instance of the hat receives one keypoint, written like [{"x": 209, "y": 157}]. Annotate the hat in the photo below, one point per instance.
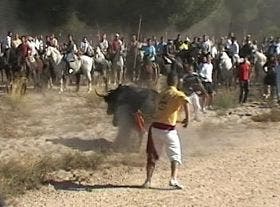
[{"x": 117, "y": 35}]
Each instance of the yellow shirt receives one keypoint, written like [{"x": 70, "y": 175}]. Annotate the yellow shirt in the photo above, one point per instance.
[{"x": 169, "y": 105}]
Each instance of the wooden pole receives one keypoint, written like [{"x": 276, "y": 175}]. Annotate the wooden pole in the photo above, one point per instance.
[
  {"x": 98, "y": 32},
  {"x": 138, "y": 37}
]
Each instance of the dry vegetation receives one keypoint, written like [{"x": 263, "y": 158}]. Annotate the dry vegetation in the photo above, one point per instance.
[
  {"x": 29, "y": 172},
  {"x": 225, "y": 100},
  {"x": 272, "y": 116}
]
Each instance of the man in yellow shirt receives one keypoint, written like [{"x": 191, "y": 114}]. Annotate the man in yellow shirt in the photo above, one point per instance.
[{"x": 162, "y": 132}]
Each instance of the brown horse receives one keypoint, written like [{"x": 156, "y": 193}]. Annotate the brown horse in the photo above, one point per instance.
[
  {"x": 149, "y": 74},
  {"x": 35, "y": 67}
]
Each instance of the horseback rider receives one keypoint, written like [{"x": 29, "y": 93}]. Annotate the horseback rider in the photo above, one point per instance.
[
  {"x": 160, "y": 46},
  {"x": 104, "y": 45},
  {"x": 86, "y": 48},
  {"x": 247, "y": 49},
  {"x": 71, "y": 49},
  {"x": 32, "y": 45},
  {"x": 178, "y": 42},
  {"x": 169, "y": 52},
  {"x": 150, "y": 51},
  {"x": 132, "y": 59},
  {"x": 116, "y": 44},
  {"x": 206, "y": 45},
  {"x": 23, "y": 50},
  {"x": 8, "y": 46},
  {"x": 54, "y": 41},
  {"x": 234, "y": 51},
  {"x": 39, "y": 43},
  {"x": 16, "y": 41}
]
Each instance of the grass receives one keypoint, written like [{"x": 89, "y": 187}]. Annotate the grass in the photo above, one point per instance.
[
  {"x": 225, "y": 100},
  {"x": 272, "y": 116},
  {"x": 28, "y": 173}
]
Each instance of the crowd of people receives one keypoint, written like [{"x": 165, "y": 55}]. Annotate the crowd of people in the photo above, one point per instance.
[{"x": 199, "y": 57}]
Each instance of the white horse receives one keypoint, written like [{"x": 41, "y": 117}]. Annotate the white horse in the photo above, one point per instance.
[
  {"x": 117, "y": 68},
  {"x": 260, "y": 60},
  {"x": 77, "y": 66},
  {"x": 102, "y": 66},
  {"x": 226, "y": 68}
]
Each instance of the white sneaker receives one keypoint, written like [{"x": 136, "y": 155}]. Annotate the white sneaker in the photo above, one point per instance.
[
  {"x": 146, "y": 185},
  {"x": 175, "y": 184}
]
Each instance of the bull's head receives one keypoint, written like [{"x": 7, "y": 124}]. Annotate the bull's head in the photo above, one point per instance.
[{"x": 111, "y": 99}]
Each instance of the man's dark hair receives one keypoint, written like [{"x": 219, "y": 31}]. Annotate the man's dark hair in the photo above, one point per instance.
[{"x": 172, "y": 79}]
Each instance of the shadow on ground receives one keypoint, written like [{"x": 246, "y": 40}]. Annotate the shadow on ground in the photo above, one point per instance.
[
  {"x": 71, "y": 186},
  {"x": 97, "y": 145}
]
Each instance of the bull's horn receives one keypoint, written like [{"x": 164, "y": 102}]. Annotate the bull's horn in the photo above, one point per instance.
[{"x": 99, "y": 94}]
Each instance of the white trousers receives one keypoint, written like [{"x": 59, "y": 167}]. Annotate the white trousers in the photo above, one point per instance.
[{"x": 168, "y": 140}]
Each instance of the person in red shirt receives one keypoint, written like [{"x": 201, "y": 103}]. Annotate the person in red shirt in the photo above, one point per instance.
[
  {"x": 244, "y": 73},
  {"x": 23, "y": 49},
  {"x": 116, "y": 44}
]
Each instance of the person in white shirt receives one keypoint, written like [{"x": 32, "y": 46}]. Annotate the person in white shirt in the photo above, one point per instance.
[
  {"x": 206, "y": 72},
  {"x": 206, "y": 45},
  {"x": 86, "y": 48},
  {"x": 277, "y": 46},
  {"x": 8, "y": 41},
  {"x": 39, "y": 44},
  {"x": 234, "y": 51},
  {"x": 31, "y": 43},
  {"x": 8, "y": 46},
  {"x": 104, "y": 44},
  {"x": 54, "y": 41}
]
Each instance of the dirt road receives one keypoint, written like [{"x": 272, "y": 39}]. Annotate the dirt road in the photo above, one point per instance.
[{"x": 228, "y": 160}]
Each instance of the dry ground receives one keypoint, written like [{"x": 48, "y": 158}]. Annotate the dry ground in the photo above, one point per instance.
[{"x": 229, "y": 160}]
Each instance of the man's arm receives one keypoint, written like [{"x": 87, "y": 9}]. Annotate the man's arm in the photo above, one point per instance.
[{"x": 187, "y": 114}]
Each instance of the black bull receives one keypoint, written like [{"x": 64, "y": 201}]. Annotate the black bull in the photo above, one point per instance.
[{"x": 125, "y": 103}]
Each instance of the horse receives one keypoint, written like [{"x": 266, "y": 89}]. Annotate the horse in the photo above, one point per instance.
[
  {"x": 117, "y": 71},
  {"x": 102, "y": 67},
  {"x": 77, "y": 66},
  {"x": 149, "y": 73},
  {"x": 36, "y": 66},
  {"x": 260, "y": 60},
  {"x": 2, "y": 67},
  {"x": 133, "y": 64},
  {"x": 226, "y": 69}
]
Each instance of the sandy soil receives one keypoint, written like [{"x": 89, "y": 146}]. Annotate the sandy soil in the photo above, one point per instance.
[{"x": 228, "y": 160}]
